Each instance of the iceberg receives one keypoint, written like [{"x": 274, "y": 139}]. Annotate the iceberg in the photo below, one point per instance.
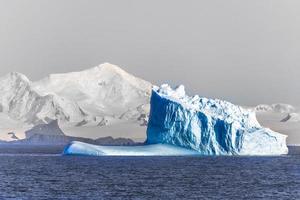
[
  {"x": 209, "y": 126},
  {"x": 183, "y": 125}
]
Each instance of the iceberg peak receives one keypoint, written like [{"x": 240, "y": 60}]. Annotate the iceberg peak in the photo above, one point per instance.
[{"x": 178, "y": 93}]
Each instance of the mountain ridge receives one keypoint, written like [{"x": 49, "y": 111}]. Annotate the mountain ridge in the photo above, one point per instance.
[
  {"x": 98, "y": 96},
  {"x": 92, "y": 103}
]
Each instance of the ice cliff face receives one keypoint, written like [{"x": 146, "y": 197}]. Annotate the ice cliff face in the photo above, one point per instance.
[{"x": 211, "y": 127}]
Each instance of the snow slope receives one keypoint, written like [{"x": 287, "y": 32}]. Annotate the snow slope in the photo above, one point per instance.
[
  {"x": 287, "y": 121},
  {"x": 8, "y": 125},
  {"x": 291, "y": 117},
  {"x": 22, "y": 103},
  {"x": 103, "y": 90}
]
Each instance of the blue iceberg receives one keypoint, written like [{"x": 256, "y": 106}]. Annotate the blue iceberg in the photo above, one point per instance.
[
  {"x": 183, "y": 125},
  {"x": 209, "y": 126},
  {"x": 80, "y": 148}
]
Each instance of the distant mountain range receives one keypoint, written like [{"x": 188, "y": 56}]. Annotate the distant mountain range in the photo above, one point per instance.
[
  {"x": 98, "y": 102},
  {"x": 99, "y": 96},
  {"x": 51, "y": 134},
  {"x": 77, "y": 97}
]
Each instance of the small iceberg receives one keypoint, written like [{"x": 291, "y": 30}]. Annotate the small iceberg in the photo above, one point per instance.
[
  {"x": 183, "y": 125},
  {"x": 80, "y": 148}
]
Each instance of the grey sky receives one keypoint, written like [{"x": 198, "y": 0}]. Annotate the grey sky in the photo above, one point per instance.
[{"x": 247, "y": 52}]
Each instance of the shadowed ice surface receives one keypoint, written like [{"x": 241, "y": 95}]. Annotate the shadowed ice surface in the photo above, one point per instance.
[{"x": 40, "y": 176}]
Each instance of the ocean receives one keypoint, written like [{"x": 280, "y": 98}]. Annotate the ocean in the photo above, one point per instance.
[{"x": 42, "y": 173}]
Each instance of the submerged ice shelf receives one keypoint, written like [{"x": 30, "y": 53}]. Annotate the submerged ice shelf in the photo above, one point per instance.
[{"x": 182, "y": 125}]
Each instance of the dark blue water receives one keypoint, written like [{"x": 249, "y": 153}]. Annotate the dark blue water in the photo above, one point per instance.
[{"x": 42, "y": 176}]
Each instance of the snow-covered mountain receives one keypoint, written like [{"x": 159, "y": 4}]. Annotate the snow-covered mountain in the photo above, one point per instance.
[
  {"x": 21, "y": 102},
  {"x": 103, "y": 90},
  {"x": 100, "y": 96},
  {"x": 278, "y": 107},
  {"x": 280, "y": 117}
]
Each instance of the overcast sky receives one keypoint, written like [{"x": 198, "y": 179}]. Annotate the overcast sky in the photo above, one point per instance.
[{"x": 247, "y": 52}]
